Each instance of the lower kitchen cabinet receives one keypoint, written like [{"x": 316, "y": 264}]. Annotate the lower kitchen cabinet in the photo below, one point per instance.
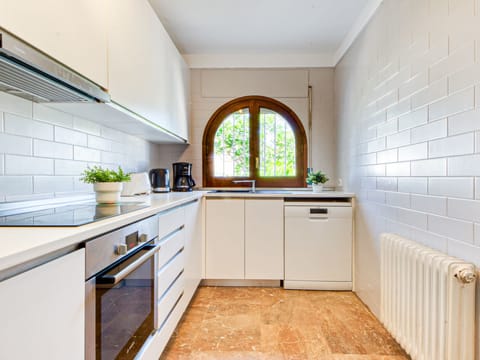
[
  {"x": 264, "y": 239},
  {"x": 179, "y": 270},
  {"x": 42, "y": 311},
  {"x": 244, "y": 239},
  {"x": 225, "y": 239},
  {"x": 193, "y": 248}
]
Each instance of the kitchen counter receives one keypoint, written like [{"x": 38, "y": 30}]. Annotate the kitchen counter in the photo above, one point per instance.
[
  {"x": 25, "y": 245},
  {"x": 21, "y": 245}
]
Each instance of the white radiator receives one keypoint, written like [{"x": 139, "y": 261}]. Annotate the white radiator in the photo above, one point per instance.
[{"x": 427, "y": 300}]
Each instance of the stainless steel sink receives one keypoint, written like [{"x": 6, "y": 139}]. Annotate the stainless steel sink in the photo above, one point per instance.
[
  {"x": 273, "y": 192},
  {"x": 229, "y": 191},
  {"x": 248, "y": 191}
]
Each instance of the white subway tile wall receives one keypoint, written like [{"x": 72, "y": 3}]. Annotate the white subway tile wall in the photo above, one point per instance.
[
  {"x": 18, "y": 125},
  {"x": 43, "y": 151},
  {"x": 413, "y": 74}
]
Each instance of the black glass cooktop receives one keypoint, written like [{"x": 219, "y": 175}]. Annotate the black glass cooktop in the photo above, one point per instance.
[{"x": 69, "y": 215}]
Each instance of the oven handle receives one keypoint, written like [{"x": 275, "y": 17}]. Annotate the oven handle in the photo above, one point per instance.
[{"x": 116, "y": 278}]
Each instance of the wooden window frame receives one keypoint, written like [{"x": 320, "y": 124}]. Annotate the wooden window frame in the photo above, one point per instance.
[{"x": 254, "y": 103}]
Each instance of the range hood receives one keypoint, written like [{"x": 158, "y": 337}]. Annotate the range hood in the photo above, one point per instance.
[{"x": 33, "y": 75}]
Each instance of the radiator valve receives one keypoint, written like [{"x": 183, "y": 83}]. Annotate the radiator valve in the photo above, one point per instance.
[{"x": 466, "y": 276}]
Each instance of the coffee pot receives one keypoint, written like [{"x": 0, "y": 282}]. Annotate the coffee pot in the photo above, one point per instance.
[{"x": 182, "y": 177}]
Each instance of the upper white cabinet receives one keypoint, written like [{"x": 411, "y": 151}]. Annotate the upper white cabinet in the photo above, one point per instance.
[
  {"x": 43, "y": 313},
  {"x": 147, "y": 75},
  {"x": 71, "y": 31}
]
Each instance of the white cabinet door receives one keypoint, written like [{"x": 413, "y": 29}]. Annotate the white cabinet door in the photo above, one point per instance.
[
  {"x": 225, "y": 245},
  {"x": 147, "y": 75},
  {"x": 176, "y": 85},
  {"x": 42, "y": 311},
  {"x": 264, "y": 239},
  {"x": 71, "y": 31},
  {"x": 193, "y": 248}
]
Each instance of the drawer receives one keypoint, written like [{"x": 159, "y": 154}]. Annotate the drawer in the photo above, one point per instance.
[
  {"x": 169, "y": 272},
  {"x": 170, "y": 220},
  {"x": 170, "y": 299},
  {"x": 170, "y": 245},
  {"x": 152, "y": 349}
]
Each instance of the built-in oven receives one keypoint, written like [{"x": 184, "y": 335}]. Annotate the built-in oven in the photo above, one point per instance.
[{"x": 120, "y": 291}]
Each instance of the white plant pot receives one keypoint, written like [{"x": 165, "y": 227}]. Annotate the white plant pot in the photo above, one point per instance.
[
  {"x": 317, "y": 188},
  {"x": 108, "y": 192}
]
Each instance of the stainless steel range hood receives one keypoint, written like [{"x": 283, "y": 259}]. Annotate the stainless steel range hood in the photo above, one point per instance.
[{"x": 31, "y": 74}]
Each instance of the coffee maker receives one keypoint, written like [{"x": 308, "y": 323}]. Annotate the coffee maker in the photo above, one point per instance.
[{"x": 182, "y": 177}]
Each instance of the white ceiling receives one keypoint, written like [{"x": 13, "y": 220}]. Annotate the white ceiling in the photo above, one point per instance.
[{"x": 249, "y": 33}]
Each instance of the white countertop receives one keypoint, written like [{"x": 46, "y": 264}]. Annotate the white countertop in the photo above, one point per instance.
[
  {"x": 307, "y": 193},
  {"x": 22, "y": 244}
]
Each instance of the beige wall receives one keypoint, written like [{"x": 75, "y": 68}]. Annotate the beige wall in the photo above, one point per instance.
[
  {"x": 212, "y": 88},
  {"x": 408, "y": 112}
]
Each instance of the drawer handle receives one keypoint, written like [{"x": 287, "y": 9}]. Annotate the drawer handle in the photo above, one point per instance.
[
  {"x": 170, "y": 312},
  {"x": 318, "y": 211},
  {"x": 171, "y": 285},
  {"x": 170, "y": 235}
]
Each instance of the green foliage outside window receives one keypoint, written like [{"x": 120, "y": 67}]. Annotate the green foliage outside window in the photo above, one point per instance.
[
  {"x": 276, "y": 146},
  {"x": 232, "y": 145}
]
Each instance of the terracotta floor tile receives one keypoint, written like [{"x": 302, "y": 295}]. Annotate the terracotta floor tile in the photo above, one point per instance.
[{"x": 226, "y": 323}]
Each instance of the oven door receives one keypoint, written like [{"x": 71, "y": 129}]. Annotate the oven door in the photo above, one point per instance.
[{"x": 121, "y": 307}]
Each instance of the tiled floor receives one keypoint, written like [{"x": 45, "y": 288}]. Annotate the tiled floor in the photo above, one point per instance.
[{"x": 225, "y": 323}]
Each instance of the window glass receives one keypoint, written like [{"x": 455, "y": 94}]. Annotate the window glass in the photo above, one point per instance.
[
  {"x": 232, "y": 146},
  {"x": 277, "y": 145}
]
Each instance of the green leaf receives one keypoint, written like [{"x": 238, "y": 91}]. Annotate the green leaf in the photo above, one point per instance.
[{"x": 98, "y": 174}]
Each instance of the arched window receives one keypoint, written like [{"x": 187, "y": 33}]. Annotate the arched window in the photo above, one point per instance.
[{"x": 254, "y": 137}]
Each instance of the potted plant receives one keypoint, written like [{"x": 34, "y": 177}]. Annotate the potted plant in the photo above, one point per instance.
[
  {"x": 107, "y": 183},
  {"x": 317, "y": 179}
]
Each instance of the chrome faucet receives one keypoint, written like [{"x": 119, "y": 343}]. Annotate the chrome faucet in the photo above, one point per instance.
[{"x": 252, "y": 182}]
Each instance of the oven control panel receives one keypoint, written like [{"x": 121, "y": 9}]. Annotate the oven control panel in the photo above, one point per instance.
[
  {"x": 131, "y": 241},
  {"x": 108, "y": 248}
]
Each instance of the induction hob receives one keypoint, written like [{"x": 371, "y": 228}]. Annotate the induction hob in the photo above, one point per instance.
[{"x": 69, "y": 215}]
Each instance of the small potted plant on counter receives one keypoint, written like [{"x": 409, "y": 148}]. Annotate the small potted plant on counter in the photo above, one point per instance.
[
  {"x": 317, "y": 179},
  {"x": 107, "y": 183}
]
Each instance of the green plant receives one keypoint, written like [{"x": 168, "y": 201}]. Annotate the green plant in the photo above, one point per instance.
[
  {"x": 98, "y": 174},
  {"x": 317, "y": 178}
]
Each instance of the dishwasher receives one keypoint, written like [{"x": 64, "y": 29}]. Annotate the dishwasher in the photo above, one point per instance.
[{"x": 318, "y": 244}]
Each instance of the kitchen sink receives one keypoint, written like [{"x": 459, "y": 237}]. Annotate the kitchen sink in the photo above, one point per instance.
[
  {"x": 245, "y": 191},
  {"x": 229, "y": 191},
  {"x": 273, "y": 192}
]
